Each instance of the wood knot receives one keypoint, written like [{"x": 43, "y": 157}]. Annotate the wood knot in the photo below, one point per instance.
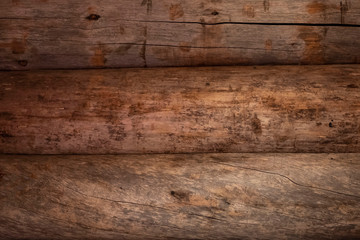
[
  {"x": 256, "y": 125},
  {"x": 180, "y": 195},
  {"x": 6, "y": 116},
  {"x": 23, "y": 63},
  {"x": 176, "y": 11},
  {"x": 4, "y": 134},
  {"x": 352, "y": 86},
  {"x": 93, "y": 17}
]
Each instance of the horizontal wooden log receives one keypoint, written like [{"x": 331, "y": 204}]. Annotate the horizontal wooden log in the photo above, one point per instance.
[
  {"x": 268, "y": 11},
  {"x": 39, "y": 34},
  {"x": 180, "y": 110},
  {"x": 203, "y": 196}
]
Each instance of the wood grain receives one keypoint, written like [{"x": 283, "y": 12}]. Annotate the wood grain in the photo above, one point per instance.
[
  {"x": 256, "y": 11},
  {"x": 181, "y": 110},
  {"x": 49, "y": 34},
  {"x": 181, "y": 196}
]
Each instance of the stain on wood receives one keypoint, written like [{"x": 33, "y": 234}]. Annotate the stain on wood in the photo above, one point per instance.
[
  {"x": 17, "y": 46},
  {"x": 266, "y": 4},
  {"x": 344, "y": 8},
  {"x": 317, "y": 7},
  {"x": 148, "y": 4},
  {"x": 268, "y": 45},
  {"x": 187, "y": 196},
  {"x": 314, "y": 51},
  {"x": 175, "y": 11},
  {"x": 181, "y": 110},
  {"x": 23, "y": 63},
  {"x": 15, "y": 2},
  {"x": 98, "y": 59},
  {"x": 256, "y": 125},
  {"x": 249, "y": 11},
  {"x": 185, "y": 46}
]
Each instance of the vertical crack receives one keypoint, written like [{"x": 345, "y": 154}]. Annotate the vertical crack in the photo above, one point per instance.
[
  {"x": 143, "y": 49},
  {"x": 266, "y": 4},
  {"x": 344, "y": 7},
  {"x": 148, "y": 4}
]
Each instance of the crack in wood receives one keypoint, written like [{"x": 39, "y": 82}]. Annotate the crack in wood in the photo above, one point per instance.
[
  {"x": 246, "y": 23},
  {"x": 143, "y": 49},
  {"x": 163, "y": 45},
  {"x": 82, "y": 225},
  {"x": 342, "y": 24},
  {"x": 266, "y": 4},
  {"x": 187, "y": 204},
  {"x": 344, "y": 7},
  {"x": 137, "y": 204},
  {"x": 288, "y": 178},
  {"x": 178, "y": 196}
]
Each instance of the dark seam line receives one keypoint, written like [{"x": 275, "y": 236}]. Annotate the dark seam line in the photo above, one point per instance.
[
  {"x": 266, "y": 24},
  {"x": 219, "y": 23}
]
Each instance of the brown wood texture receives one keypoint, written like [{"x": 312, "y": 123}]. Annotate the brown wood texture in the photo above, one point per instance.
[
  {"x": 181, "y": 110},
  {"x": 180, "y": 196},
  {"x": 48, "y": 34}
]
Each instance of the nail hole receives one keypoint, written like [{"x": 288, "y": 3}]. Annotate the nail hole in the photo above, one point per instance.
[
  {"x": 352, "y": 86},
  {"x": 330, "y": 124},
  {"x": 93, "y": 17},
  {"x": 23, "y": 63},
  {"x": 5, "y": 134},
  {"x": 180, "y": 195},
  {"x": 215, "y": 13}
]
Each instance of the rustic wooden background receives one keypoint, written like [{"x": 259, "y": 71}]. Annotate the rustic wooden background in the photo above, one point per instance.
[
  {"x": 48, "y": 34},
  {"x": 302, "y": 123}
]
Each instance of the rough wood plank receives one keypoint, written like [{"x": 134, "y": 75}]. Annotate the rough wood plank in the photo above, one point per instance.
[
  {"x": 250, "y": 44},
  {"x": 210, "y": 109},
  {"x": 258, "y": 11},
  {"x": 205, "y": 196},
  {"x": 86, "y": 34}
]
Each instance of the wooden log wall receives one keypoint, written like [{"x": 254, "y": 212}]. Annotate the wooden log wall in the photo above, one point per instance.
[
  {"x": 49, "y": 34},
  {"x": 198, "y": 123},
  {"x": 180, "y": 196},
  {"x": 181, "y": 110}
]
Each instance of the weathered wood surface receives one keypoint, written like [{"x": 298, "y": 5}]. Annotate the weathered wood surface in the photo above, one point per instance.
[
  {"x": 255, "y": 11},
  {"x": 203, "y": 196},
  {"x": 43, "y": 34},
  {"x": 180, "y": 110}
]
